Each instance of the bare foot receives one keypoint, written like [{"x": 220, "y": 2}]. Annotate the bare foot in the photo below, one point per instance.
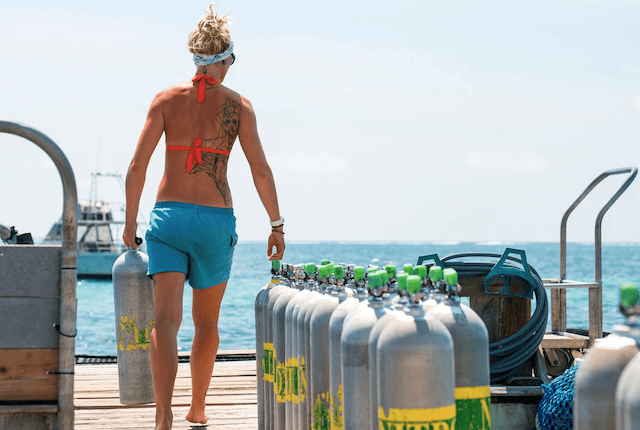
[
  {"x": 197, "y": 417},
  {"x": 164, "y": 423}
]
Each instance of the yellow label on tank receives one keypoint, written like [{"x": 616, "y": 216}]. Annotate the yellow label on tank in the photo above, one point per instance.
[
  {"x": 274, "y": 281},
  {"x": 419, "y": 419},
  {"x": 131, "y": 337},
  {"x": 336, "y": 410},
  {"x": 321, "y": 419},
  {"x": 294, "y": 374},
  {"x": 281, "y": 382},
  {"x": 472, "y": 405},
  {"x": 302, "y": 379},
  {"x": 268, "y": 362}
]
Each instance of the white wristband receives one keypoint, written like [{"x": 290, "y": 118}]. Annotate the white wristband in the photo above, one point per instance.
[{"x": 277, "y": 223}]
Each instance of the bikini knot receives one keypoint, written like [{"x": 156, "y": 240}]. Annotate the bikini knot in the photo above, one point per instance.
[
  {"x": 195, "y": 154},
  {"x": 202, "y": 81}
]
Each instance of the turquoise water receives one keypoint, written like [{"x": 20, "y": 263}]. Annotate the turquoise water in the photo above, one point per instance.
[{"x": 250, "y": 272}]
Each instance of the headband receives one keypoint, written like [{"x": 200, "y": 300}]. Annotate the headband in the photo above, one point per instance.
[{"x": 206, "y": 60}]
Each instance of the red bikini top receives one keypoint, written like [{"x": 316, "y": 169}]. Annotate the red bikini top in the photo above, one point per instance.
[
  {"x": 195, "y": 152},
  {"x": 202, "y": 81}
]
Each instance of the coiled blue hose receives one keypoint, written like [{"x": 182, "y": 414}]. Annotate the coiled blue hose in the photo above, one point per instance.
[{"x": 509, "y": 354}]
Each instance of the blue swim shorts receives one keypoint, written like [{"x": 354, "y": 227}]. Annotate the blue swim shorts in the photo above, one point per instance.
[{"x": 192, "y": 239}]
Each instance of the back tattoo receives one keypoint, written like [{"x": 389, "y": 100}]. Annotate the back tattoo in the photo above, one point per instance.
[{"x": 215, "y": 165}]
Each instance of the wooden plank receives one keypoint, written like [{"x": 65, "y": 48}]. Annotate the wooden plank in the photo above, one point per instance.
[
  {"x": 23, "y": 374},
  {"x": 30, "y": 270},
  {"x": 27, "y": 322}
]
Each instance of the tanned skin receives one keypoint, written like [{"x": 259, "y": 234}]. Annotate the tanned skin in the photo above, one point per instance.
[{"x": 223, "y": 116}]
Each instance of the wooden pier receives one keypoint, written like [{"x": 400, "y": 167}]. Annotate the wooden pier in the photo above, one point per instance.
[{"x": 231, "y": 400}]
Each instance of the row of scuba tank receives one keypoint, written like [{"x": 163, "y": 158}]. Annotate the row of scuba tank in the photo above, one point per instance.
[
  {"x": 607, "y": 382},
  {"x": 339, "y": 348}
]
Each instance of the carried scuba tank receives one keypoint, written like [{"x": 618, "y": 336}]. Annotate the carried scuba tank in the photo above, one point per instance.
[
  {"x": 355, "y": 357},
  {"x": 279, "y": 344},
  {"x": 134, "y": 298},
  {"x": 291, "y": 357},
  {"x": 336, "y": 324},
  {"x": 397, "y": 309},
  {"x": 594, "y": 405},
  {"x": 471, "y": 347},
  {"x": 320, "y": 389},
  {"x": 628, "y": 388},
  {"x": 415, "y": 370},
  {"x": 263, "y": 365}
]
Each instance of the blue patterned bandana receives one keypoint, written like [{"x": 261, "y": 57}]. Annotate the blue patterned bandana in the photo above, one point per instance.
[{"x": 206, "y": 60}]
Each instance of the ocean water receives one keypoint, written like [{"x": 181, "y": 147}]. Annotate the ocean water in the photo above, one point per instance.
[{"x": 251, "y": 271}]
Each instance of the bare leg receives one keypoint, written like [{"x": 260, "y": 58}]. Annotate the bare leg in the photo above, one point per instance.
[
  {"x": 206, "y": 308},
  {"x": 164, "y": 346}
]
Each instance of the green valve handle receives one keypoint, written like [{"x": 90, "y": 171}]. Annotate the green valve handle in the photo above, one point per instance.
[
  {"x": 391, "y": 270},
  {"x": 413, "y": 284},
  {"x": 310, "y": 268},
  {"x": 275, "y": 264},
  {"x": 325, "y": 262},
  {"x": 358, "y": 273},
  {"x": 330, "y": 267},
  {"x": 629, "y": 295},
  {"x": 372, "y": 269},
  {"x": 451, "y": 277},
  {"x": 322, "y": 271},
  {"x": 408, "y": 269},
  {"x": 435, "y": 273},
  {"x": 402, "y": 281},
  {"x": 384, "y": 276},
  {"x": 374, "y": 280},
  {"x": 338, "y": 272},
  {"x": 421, "y": 271}
]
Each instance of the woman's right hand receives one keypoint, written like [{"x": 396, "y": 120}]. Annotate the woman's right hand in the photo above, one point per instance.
[{"x": 129, "y": 235}]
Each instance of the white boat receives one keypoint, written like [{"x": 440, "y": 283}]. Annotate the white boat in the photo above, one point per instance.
[{"x": 99, "y": 243}]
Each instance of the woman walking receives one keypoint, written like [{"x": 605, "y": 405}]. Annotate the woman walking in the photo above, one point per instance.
[{"x": 192, "y": 226}]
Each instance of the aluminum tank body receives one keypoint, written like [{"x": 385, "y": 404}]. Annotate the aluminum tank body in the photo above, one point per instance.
[
  {"x": 335, "y": 357},
  {"x": 134, "y": 305},
  {"x": 472, "y": 378},
  {"x": 416, "y": 374},
  {"x": 354, "y": 345},
  {"x": 596, "y": 380},
  {"x": 628, "y": 397},
  {"x": 270, "y": 360},
  {"x": 262, "y": 364},
  {"x": 291, "y": 358},
  {"x": 320, "y": 388},
  {"x": 282, "y": 372},
  {"x": 373, "y": 360},
  {"x": 304, "y": 408}
]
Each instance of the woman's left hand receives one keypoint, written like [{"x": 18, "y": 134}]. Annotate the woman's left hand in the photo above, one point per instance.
[
  {"x": 129, "y": 235},
  {"x": 276, "y": 239}
]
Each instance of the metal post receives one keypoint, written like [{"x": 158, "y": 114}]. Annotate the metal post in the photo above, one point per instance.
[{"x": 69, "y": 265}]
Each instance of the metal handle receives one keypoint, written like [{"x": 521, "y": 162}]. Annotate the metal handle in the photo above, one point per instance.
[{"x": 633, "y": 171}]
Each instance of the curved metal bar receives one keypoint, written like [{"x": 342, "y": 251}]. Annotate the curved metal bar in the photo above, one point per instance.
[
  {"x": 69, "y": 265},
  {"x": 595, "y": 294}
]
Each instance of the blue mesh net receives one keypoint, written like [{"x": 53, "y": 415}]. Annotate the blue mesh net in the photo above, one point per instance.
[{"x": 555, "y": 410}]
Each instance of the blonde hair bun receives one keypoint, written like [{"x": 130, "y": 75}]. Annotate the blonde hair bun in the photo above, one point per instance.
[{"x": 211, "y": 36}]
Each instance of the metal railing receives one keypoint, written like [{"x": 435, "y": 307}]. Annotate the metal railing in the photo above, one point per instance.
[
  {"x": 559, "y": 287},
  {"x": 69, "y": 267}
]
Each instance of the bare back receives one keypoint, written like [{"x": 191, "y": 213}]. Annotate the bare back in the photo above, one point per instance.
[{"x": 216, "y": 121}]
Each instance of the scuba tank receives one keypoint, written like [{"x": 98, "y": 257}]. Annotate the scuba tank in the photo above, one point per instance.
[
  {"x": 263, "y": 365},
  {"x": 279, "y": 345},
  {"x": 269, "y": 350},
  {"x": 320, "y": 392},
  {"x": 304, "y": 410},
  {"x": 628, "y": 388},
  {"x": 336, "y": 324},
  {"x": 397, "y": 309},
  {"x": 355, "y": 357},
  {"x": 290, "y": 349},
  {"x": 415, "y": 370},
  {"x": 471, "y": 347},
  {"x": 597, "y": 378}
]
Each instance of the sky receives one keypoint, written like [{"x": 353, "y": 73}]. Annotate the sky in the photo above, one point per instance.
[{"x": 403, "y": 121}]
